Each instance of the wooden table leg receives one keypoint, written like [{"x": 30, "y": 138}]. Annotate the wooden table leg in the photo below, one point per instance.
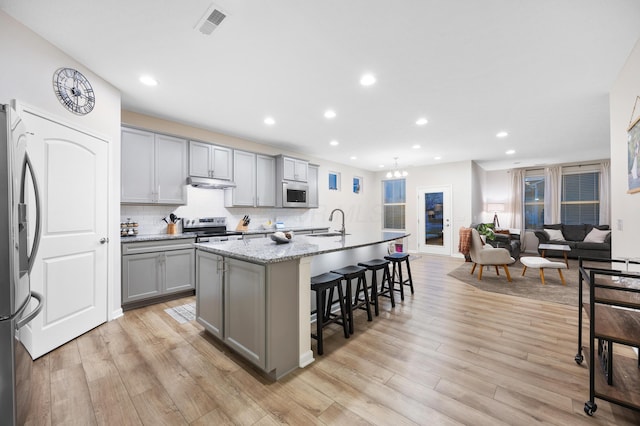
[
  {"x": 542, "y": 275},
  {"x": 566, "y": 261},
  {"x": 561, "y": 277},
  {"x": 524, "y": 270}
]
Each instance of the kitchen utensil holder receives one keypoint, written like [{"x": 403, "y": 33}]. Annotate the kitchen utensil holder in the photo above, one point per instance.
[
  {"x": 241, "y": 227},
  {"x": 172, "y": 229}
]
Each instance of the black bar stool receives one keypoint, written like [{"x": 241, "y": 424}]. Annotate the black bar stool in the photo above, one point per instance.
[
  {"x": 349, "y": 273},
  {"x": 320, "y": 284},
  {"x": 374, "y": 266},
  {"x": 397, "y": 259}
]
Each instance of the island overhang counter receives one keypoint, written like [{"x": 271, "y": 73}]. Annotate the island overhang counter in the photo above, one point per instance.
[{"x": 255, "y": 295}]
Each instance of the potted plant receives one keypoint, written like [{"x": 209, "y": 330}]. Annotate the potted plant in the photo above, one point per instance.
[{"x": 486, "y": 230}]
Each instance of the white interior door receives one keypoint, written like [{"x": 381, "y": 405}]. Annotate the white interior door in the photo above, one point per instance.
[
  {"x": 434, "y": 220},
  {"x": 71, "y": 265}
]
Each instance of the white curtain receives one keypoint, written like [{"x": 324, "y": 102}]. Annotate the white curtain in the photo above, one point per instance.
[
  {"x": 605, "y": 191},
  {"x": 552, "y": 194},
  {"x": 516, "y": 203}
]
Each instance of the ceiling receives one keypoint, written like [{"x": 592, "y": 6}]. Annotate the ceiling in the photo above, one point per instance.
[{"x": 539, "y": 70}]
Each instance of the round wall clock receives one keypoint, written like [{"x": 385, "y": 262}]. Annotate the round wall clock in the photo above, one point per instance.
[{"x": 74, "y": 91}]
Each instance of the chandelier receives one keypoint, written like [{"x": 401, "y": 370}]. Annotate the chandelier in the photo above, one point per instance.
[{"x": 396, "y": 173}]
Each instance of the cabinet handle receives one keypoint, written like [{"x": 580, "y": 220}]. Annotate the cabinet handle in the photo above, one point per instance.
[{"x": 221, "y": 261}]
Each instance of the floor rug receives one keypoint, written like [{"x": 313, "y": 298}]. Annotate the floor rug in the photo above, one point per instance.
[
  {"x": 529, "y": 286},
  {"x": 183, "y": 313}
]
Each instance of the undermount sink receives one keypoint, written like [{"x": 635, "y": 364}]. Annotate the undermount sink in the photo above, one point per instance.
[{"x": 327, "y": 234}]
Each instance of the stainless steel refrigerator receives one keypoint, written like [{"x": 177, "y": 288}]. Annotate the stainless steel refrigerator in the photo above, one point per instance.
[{"x": 17, "y": 255}]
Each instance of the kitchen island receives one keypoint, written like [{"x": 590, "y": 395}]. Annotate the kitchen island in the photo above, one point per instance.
[{"x": 254, "y": 295}]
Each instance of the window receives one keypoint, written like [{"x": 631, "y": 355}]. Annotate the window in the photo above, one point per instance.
[
  {"x": 533, "y": 202},
  {"x": 580, "y": 198},
  {"x": 393, "y": 203},
  {"x": 357, "y": 184},
  {"x": 334, "y": 181}
]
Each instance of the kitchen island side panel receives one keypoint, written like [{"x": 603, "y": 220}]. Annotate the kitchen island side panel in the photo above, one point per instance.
[{"x": 282, "y": 318}]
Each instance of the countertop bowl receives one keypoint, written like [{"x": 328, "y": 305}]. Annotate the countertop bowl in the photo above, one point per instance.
[{"x": 280, "y": 239}]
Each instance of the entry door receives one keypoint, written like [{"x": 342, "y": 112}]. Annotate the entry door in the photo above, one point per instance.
[
  {"x": 434, "y": 220},
  {"x": 71, "y": 265}
]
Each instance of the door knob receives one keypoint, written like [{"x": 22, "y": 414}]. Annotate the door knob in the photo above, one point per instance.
[{"x": 104, "y": 240}]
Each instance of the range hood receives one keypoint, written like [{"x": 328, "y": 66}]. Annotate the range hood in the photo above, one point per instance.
[{"x": 202, "y": 182}]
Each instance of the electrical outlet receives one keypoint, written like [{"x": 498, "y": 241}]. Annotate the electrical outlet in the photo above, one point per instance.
[{"x": 619, "y": 224}]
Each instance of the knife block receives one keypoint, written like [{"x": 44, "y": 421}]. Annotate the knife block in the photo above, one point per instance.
[{"x": 241, "y": 227}]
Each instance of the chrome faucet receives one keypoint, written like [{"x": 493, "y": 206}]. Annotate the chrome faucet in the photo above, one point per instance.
[{"x": 342, "y": 230}]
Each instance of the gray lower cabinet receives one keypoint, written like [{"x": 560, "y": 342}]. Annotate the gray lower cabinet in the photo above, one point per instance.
[
  {"x": 244, "y": 315},
  {"x": 152, "y": 269},
  {"x": 252, "y": 308},
  {"x": 209, "y": 288}
]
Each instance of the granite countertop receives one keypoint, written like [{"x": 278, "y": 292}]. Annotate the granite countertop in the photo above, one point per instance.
[
  {"x": 265, "y": 251},
  {"x": 156, "y": 237},
  {"x": 294, "y": 229}
]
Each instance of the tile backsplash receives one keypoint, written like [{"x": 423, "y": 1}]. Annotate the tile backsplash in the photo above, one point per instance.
[{"x": 210, "y": 203}]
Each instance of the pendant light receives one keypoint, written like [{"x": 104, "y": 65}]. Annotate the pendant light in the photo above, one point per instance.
[{"x": 396, "y": 173}]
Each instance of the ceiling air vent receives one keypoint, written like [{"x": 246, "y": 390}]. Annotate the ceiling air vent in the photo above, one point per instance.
[{"x": 210, "y": 20}]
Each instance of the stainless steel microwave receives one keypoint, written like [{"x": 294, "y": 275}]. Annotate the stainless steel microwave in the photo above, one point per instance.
[{"x": 295, "y": 194}]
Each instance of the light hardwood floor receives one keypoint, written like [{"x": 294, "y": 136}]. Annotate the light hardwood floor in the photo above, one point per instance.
[{"x": 450, "y": 354}]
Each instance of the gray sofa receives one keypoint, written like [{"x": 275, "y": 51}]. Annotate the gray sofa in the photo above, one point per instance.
[{"x": 574, "y": 236}]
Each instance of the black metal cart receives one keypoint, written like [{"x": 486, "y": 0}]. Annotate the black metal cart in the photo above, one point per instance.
[{"x": 614, "y": 313}]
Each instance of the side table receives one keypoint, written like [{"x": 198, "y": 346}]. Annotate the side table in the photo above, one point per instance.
[{"x": 560, "y": 247}]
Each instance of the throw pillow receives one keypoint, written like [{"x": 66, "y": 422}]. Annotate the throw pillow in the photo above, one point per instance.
[
  {"x": 554, "y": 234},
  {"x": 596, "y": 236}
]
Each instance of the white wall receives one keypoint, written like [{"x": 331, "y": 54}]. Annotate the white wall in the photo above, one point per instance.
[
  {"x": 26, "y": 74},
  {"x": 478, "y": 183},
  {"x": 362, "y": 211},
  {"x": 624, "y": 206},
  {"x": 458, "y": 175}
]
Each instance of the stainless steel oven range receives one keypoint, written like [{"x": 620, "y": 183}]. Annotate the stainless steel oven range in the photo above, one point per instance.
[{"x": 210, "y": 229}]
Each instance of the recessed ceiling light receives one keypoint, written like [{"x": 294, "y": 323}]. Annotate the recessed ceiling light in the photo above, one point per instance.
[
  {"x": 381, "y": 166},
  {"x": 502, "y": 134},
  {"x": 334, "y": 143},
  {"x": 367, "y": 80},
  {"x": 421, "y": 121},
  {"x": 416, "y": 146},
  {"x": 353, "y": 157},
  {"x": 437, "y": 158},
  {"x": 329, "y": 113},
  {"x": 269, "y": 121},
  {"x": 147, "y": 80},
  {"x": 510, "y": 152}
]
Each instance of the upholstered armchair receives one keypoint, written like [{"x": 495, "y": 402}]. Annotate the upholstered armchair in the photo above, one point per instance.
[
  {"x": 486, "y": 255},
  {"x": 509, "y": 241}
]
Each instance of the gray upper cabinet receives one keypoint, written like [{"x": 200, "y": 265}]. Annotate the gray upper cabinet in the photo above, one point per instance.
[
  {"x": 254, "y": 176},
  {"x": 294, "y": 169},
  {"x": 265, "y": 181},
  {"x": 245, "y": 178},
  {"x": 313, "y": 186},
  {"x": 209, "y": 161},
  {"x": 154, "y": 168}
]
